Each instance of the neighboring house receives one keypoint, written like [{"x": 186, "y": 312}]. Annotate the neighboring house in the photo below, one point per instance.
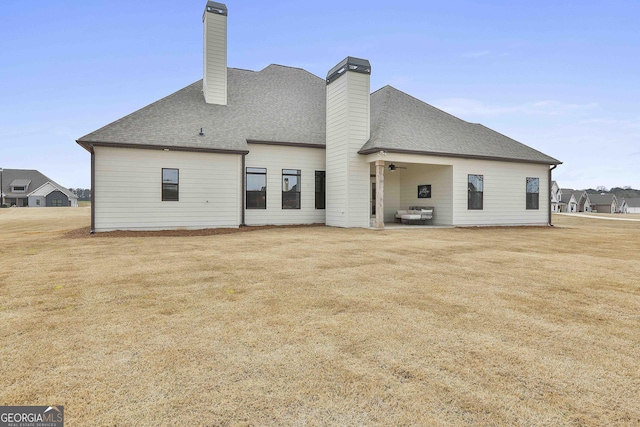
[
  {"x": 584, "y": 201},
  {"x": 631, "y": 206},
  {"x": 568, "y": 202},
  {"x": 603, "y": 203},
  {"x": 556, "y": 197},
  {"x": 283, "y": 146},
  {"x": 25, "y": 187}
]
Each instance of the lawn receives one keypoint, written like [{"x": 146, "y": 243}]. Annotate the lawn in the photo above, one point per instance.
[{"x": 322, "y": 326}]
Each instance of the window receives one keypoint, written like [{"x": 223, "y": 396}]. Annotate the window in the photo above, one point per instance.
[
  {"x": 170, "y": 179},
  {"x": 37, "y": 202},
  {"x": 256, "y": 188},
  {"x": 290, "y": 189},
  {"x": 476, "y": 188},
  {"x": 533, "y": 193},
  {"x": 320, "y": 189},
  {"x": 56, "y": 202},
  {"x": 18, "y": 189}
]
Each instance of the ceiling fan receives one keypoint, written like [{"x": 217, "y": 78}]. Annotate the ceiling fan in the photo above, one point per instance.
[{"x": 393, "y": 167}]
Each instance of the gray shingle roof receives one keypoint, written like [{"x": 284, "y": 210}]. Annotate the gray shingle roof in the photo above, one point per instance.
[
  {"x": 33, "y": 178},
  {"x": 633, "y": 202},
  {"x": 20, "y": 182},
  {"x": 280, "y": 104},
  {"x": 401, "y": 122},
  {"x": 284, "y": 104},
  {"x": 601, "y": 199}
]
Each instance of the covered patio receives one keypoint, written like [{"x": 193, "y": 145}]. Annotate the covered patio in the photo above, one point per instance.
[{"x": 401, "y": 181}]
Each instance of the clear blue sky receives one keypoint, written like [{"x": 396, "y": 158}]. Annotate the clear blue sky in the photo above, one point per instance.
[{"x": 560, "y": 76}]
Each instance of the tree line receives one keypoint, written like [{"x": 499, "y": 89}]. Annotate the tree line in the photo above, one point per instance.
[{"x": 84, "y": 194}]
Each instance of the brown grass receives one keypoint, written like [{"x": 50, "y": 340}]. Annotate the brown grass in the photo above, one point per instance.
[{"x": 322, "y": 326}]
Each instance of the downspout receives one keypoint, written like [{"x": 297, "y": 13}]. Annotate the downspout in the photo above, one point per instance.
[
  {"x": 243, "y": 192},
  {"x": 93, "y": 190},
  {"x": 550, "y": 188}
]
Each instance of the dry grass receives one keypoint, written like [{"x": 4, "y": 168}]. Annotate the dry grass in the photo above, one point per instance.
[{"x": 322, "y": 326}]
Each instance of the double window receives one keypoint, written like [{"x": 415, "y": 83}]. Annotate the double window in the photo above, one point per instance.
[
  {"x": 475, "y": 192},
  {"x": 170, "y": 184},
  {"x": 533, "y": 193},
  {"x": 290, "y": 188},
  {"x": 256, "y": 188}
]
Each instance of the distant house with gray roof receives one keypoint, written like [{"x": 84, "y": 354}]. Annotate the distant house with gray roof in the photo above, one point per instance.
[
  {"x": 630, "y": 205},
  {"x": 283, "y": 146},
  {"x": 28, "y": 187},
  {"x": 604, "y": 203}
]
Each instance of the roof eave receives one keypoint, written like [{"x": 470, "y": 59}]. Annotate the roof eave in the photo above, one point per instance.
[
  {"x": 457, "y": 155},
  {"x": 88, "y": 145}
]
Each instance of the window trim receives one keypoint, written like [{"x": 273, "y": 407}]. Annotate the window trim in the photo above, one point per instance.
[
  {"x": 175, "y": 185},
  {"x": 481, "y": 192},
  {"x": 255, "y": 171},
  {"x": 537, "y": 199},
  {"x": 298, "y": 174}
]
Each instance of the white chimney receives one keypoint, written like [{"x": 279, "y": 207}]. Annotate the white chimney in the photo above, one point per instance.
[
  {"x": 215, "y": 53},
  {"x": 348, "y": 111}
]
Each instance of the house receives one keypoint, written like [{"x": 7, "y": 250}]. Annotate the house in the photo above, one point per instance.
[
  {"x": 556, "y": 197},
  {"x": 283, "y": 146},
  {"x": 631, "y": 205},
  {"x": 583, "y": 200},
  {"x": 568, "y": 201},
  {"x": 25, "y": 187},
  {"x": 603, "y": 203}
]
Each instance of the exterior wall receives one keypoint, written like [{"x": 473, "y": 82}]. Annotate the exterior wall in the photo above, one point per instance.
[
  {"x": 440, "y": 179},
  {"x": 348, "y": 173},
  {"x": 392, "y": 191},
  {"x": 33, "y": 201},
  {"x": 275, "y": 158},
  {"x": 633, "y": 210},
  {"x": 57, "y": 195},
  {"x": 504, "y": 198},
  {"x": 128, "y": 190},
  {"x": 215, "y": 58},
  {"x": 603, "y": 208}
]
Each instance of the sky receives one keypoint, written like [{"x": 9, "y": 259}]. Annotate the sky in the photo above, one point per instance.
[{"x": 560, "y": 76}]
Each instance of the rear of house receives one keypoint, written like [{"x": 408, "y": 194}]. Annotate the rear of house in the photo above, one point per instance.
[{"x": 283, "y": 146}]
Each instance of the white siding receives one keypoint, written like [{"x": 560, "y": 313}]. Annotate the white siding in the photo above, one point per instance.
[
  {"x": 275, "y": 158},
  {"x": 504, "y": 197},
  {"x": 348, "y": 184},
  {"x": 504, "y": 189},
  {"x": 215, "y": 58},
  {"x": 128, "y": 190},
  {"x": 440, "y": 179}
]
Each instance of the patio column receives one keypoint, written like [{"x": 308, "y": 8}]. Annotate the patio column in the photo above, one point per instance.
[{"x": 380, "y": 194}]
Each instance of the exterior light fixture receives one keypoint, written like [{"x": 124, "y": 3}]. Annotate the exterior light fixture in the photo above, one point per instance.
[{"x": 201, "y": 133}]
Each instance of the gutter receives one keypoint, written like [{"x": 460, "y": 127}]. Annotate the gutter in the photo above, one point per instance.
[
  {"x": 243, "y": 191},
  {"x": 550, "y": 187},
  {"x": 93, "y": 190}
]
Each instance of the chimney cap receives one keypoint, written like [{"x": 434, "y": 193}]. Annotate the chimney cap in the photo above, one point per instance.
[
  {"x": 215, "y": 7},
  {"x": 350, "y": 63}
]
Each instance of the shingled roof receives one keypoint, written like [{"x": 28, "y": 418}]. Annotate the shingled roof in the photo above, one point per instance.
[
  {"x": 287, "y": 105},
  {"x": 402, "y": 123},
  {"x": 30, "y": 178},
  {"x": 278, "y": 104}
]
